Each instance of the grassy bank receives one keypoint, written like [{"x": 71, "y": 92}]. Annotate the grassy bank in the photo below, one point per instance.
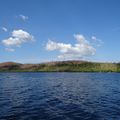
[{"x": 64, "y": 66}]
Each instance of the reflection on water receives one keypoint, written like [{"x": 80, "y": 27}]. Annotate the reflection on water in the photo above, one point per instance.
[{"x": 59, "y": 96}]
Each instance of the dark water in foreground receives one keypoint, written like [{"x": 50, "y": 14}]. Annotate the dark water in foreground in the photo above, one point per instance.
[{"x": 59, "y": 96}]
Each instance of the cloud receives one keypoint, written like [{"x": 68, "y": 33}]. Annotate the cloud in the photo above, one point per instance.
[
  {"x": 4, "y": 29},
  {"x": 10, "y": 49},
  {"x": 68, "y": 51},
  {"x": 23, "y": 17},
  {"x": 18, "y": 37},
  {"x": 97, "y": 41},
  {"x": 93, "y": 38}
]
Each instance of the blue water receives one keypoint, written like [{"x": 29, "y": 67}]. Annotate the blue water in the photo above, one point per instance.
[{"x": 59, "y": 96}]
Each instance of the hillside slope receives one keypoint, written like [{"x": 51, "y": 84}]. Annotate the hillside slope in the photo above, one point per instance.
[{"x": 61, "y": 66}]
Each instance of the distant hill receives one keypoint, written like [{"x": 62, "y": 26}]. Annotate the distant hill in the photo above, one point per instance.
[{"x": 60, "y": 66}]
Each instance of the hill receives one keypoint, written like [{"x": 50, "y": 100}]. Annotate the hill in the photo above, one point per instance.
[{"x": 60, "y": 66}]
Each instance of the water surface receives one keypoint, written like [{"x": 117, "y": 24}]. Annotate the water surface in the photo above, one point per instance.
[{"x": 59, "y": 96}]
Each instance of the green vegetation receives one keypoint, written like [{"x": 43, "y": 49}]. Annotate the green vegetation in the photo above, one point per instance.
[{"x": 64, "y": 66}]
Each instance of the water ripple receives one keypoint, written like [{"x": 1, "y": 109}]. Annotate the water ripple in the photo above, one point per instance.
[{"x": 59, "y": 96}]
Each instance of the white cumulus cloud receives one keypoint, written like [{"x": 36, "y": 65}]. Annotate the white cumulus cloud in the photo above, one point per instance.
[
  {"x": 17, "y": 38},
  {"x": 68, "y": 51}
]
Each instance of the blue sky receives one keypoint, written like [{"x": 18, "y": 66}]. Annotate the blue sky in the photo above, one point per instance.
[{"x": 33, "y": 31}]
